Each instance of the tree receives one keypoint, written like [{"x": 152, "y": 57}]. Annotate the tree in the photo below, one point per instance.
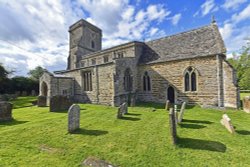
[
  {"x": 36, "y": 73},
  {"x": 242, "y": 65},
  {"x": 3, "y": 73}
]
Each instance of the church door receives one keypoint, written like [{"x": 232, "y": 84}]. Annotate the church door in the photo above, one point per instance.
[{"x": 171, "y": 94}]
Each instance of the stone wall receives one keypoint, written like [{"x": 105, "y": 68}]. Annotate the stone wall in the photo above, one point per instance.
[
  {"x": 56, "y": 86},
  {"x": 102, "y": 84},
  {"x": 171, "y": 73},
  {"x": 231, "y": 89}
]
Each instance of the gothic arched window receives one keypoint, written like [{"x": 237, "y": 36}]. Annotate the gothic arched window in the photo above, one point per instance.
[
  {"x": 128, "y": 80},
  {"x": 146, "y": 82},
  {"x": 190, "y": 79}
]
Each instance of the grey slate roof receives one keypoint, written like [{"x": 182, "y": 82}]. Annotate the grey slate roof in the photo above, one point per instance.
[{"x": 200, "y": 42}]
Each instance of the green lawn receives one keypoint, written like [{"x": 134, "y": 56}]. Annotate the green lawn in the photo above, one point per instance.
[
  {"x": 242, "y": 95},
  {"x": 39, "y": 138}
]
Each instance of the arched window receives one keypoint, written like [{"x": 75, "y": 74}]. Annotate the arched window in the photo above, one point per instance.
[
  {"x": 190, "y": 79},
  {"x": 146, "y": 82},
  {"x": 128, "y": 80}
]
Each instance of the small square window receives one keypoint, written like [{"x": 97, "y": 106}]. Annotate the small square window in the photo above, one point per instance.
[
  {"x": 83, "y": 64},
  {"x": 120, "y": 55},
  {"x": 106, "y": 59},
  {"x": 93, "y": 61}
]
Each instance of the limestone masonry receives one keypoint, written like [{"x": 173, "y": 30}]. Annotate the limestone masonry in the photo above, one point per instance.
[{"x": 188, "y": 67}]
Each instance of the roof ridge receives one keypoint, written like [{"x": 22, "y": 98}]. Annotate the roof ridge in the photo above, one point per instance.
[{"x": 181, "y": 33}]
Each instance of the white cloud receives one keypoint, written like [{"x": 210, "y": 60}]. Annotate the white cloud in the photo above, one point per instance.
[
  {"x": 243, "y": 15},
  {"x": 176, "y": 18},
  {"x": 233, "y": 4},
  {"x": 226, "y": 31},
  {"x": 235, "y": 35},
  {"x": 207, "y": 7},
  {"x": 41, "y": 28}
]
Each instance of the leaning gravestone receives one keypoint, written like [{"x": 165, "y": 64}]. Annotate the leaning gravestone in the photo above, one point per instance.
[
  {"x": 182, "y": 112},
  {"x": 226, "y": 121},
  {"x": 41, "y": 101},
  {"x": 120, "y": 112},
  {"x": 172, "y": 126},
  {"x": 246, "y": 104},
  {"x": 5, "y": 111},
  {"x": 59, "y": 103},
  {"x": 73, "y": 118},
  {"x": 167, "y": 105}
]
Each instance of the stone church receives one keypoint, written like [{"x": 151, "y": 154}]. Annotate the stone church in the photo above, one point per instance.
[{"x": 190, "y": 66}]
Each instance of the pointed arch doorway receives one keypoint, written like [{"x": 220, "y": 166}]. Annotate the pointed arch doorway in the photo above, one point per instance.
[{"x": 171, "y": 94}]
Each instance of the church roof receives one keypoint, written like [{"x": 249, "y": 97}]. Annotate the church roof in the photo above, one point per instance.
[{"x": 200, "y": 42}]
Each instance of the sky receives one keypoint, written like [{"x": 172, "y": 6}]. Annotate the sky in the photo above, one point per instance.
[{"x": 35, "y": 32}]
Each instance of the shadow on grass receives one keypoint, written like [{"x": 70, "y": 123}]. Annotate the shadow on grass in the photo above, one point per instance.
[
  {"x": 17, "y": 107},
  {"x": 133, "y": 114},
  {"x": 130, "y": 118},
  {"x": 150, "y": 105},
  {"x": 90, "y": 132},
  {"x": 192, "y": 126},
  {"x": 243, "y": 132},
  {"x": 199, "y": 144},
  {"x": 197, "y": 121},
  {"x": 12, "y": 122}
]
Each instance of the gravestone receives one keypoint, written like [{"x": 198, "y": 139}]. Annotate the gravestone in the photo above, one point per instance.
[
  {"x": 5, "y": 111},
  {"x": 132, "y": 101},
  {"x": 120, "y": 112},
  {"x": 33, "y": 93},
  {"x": 73, "y": 118},
  {"x": 246, "y": 104},
  {"x": 24, "y": 93},
  {"x": 167, "y": 105},
  {"x": 176, "y": 114},
  {"x": 226, "y": 121},
  {"x": 95, "y": 162},
  {"x": 41, "y": 101},
  {"x": 172, "y": 126},
  {"x": 125, "y": 108},
  {"x": 183, "y": 106},
  {"x": 59, "y": 103}
]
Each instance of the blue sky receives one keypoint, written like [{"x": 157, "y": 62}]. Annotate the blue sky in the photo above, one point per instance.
[{"x": 35, "y": 32}]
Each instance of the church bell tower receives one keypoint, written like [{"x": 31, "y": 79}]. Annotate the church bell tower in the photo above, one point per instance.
[{"x": 84, "y": 38}]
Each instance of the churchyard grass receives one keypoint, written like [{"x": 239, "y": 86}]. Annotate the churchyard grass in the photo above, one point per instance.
[
  {"x": 38, "y": 137},
  {"x": 242, "y": 95}
]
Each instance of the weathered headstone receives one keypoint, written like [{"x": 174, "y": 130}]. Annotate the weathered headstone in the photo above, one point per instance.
[
  {"x": 33, "y": 93},
  {"x": 183, "y": 106},
  {"x": 167, "y": 105},
  {"x": 5, "y": 111},
  {"x": 24, "y": 93},
  {"x": 132, "y": 101},
  {"x": 73, "y": 118},
  {"x": 18, "y": 93},
  {"x": 176, "y": 114},
  {"x": 120, "y": 112},
  {"x": 246, "y": 104},
  {"x": 95, "y": 162},
  {"x": 172, "y": 126},
  {"x": 226, "y": 121},
  {"x": 125, "y": 108},
  {"x": 41, "y": 101},
  {"x": 59, "y": 103}
]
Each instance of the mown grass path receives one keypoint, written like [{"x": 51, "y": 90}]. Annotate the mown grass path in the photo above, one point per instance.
[{"x": 39, "y": 138}]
